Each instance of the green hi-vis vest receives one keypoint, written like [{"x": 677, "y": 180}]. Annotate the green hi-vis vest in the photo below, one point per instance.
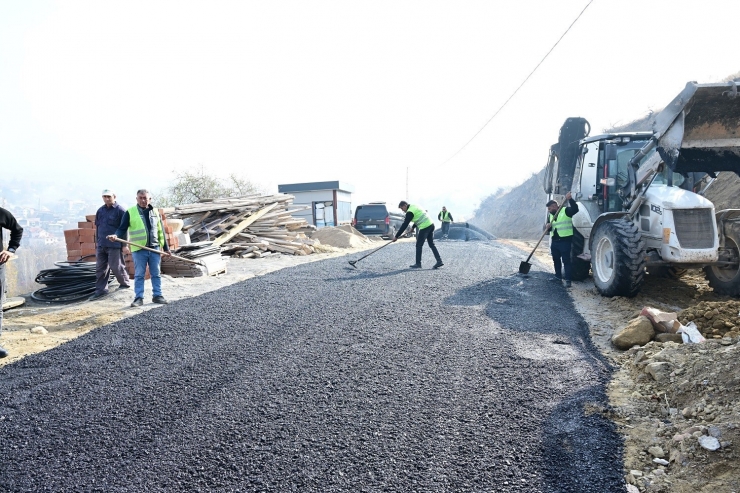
[
  {"x": 420, "y": 217},
  {"x": 137, "y": 229},
  {"x": 445, "y": 216},
  {"x": 562, "y": 224}
]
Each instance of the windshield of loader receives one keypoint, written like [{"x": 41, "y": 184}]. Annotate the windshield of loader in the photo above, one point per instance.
[{"x": 668, "y": 177}]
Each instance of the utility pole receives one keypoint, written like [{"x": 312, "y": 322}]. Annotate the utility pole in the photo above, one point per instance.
[{"x": 407, "y": 183}]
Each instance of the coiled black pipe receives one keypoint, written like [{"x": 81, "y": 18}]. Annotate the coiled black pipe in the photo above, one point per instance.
[{"x": 69, "y": 281}]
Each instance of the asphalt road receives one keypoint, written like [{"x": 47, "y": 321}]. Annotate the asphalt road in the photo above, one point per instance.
[{"x": 325, "y": 378}]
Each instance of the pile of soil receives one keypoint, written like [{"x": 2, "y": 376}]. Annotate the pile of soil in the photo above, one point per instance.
[
  {"x": 341, "y": 237},
  {"x": 676, "y": 403},
  {"x": 715, "y": 320},
  {"x": 666, "y": 395}
]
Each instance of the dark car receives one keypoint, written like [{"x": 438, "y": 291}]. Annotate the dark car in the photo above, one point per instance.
[{"x": 375, "y": 219}]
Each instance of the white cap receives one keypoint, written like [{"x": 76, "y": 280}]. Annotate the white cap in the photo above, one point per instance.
[{"x": 108, "y": 191}]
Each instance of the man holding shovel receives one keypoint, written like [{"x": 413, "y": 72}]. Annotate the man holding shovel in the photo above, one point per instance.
[
  {"x": 144, "y": 228},
  {"x": 560, "y": 226},
  {"x": 424, "y": 234}
]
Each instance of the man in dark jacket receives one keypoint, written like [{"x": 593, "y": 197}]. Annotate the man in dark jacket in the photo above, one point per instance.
[
  {"x": 109, "y": 254},
  {"x": 8, "y": 222}
]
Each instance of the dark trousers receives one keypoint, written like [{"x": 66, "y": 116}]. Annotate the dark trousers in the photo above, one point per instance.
[
  {"x": 426, "y": 234},
  {"x": 109, "y": 258},
  {"x": 445, "y": 229},
  {"x": 2, "y": 292},
  {"x": 560, "y": 250}
]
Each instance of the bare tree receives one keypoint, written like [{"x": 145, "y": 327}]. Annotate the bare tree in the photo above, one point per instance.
[{"x": 195, "y": 185}]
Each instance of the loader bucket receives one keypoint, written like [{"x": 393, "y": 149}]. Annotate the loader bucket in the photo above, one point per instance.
[{"x": 699, "y": 131}]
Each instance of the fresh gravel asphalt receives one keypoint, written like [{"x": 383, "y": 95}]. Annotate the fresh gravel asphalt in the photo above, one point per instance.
[{"x": 326, "y": 378}]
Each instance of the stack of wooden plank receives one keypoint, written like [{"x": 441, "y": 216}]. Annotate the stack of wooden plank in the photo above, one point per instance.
[{"x": 249, "y": 227}]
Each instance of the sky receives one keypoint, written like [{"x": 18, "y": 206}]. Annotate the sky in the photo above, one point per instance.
[{"x": 121, "y": 94}]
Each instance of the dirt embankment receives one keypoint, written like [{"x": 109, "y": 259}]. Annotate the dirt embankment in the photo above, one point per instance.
[
  {"x": 518, "y": 213},
  {"x": 669, "y": 399}
]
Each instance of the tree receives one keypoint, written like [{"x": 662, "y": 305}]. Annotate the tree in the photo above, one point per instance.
[{"x": 195, "y": 185}]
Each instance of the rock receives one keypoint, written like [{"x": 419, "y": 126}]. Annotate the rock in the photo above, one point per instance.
[
  {"x": 636, "y": 473},
  {"x": 714, "y": 432},
  {"x": 631, "y": 488},
  {"x": 656, "y": 451},
  {"x": 39, "y": 330},
  {"x": 665, "y": 337},
  {"x": 709, "y": 443},
  {"x": 636, "y": 333},
  {"x": 662, "y": 462},
  {"x": 659, "y": 371}
]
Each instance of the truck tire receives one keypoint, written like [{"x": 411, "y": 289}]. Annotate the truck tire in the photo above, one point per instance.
[
  {"x": 579, "y": 267},
  {"x": 666, "y": 272},
  {"x": 726, "y": 280},
  {"x": 618, "y": 258}
]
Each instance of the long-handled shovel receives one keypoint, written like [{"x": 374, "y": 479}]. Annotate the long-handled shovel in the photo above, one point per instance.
[
  {"x": 525, "y": 266},
  {"x": 119, "y": 240},
  {"x": 353, "y": 262}
]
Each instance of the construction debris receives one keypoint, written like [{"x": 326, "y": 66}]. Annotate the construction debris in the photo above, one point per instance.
[{"x": 247, "y": 227}]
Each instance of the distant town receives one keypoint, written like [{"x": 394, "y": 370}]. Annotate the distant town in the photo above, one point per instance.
[
  {"x": 45, "y": 209},
  {"x": 45, "y": 225}
]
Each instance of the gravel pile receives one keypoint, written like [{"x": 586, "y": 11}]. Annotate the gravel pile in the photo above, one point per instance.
[{"x": 325, "y": 378}]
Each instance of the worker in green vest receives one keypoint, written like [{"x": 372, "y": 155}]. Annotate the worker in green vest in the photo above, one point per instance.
[
  {"x": 425, "y": 232},
  {"x": 446, "y": 218},
  {"x": 560, "y": 226},
  {"x": 144, "y": 228}
]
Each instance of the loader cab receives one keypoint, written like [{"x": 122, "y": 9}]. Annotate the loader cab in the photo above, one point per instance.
[{"x": 612, "y": 155}]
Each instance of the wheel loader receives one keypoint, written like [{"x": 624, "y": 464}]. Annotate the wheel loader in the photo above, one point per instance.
[{"x": 640, "y": 194}]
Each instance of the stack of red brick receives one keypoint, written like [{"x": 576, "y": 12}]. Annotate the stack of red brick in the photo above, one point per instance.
[
  {"x": 171, "y": 237},
  {"x": 81, "y": 243}
]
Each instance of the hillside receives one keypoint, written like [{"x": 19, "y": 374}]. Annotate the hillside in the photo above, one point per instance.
[{"x": 518, "y": 213}]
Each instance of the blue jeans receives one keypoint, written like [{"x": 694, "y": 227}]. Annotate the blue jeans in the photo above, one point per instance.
[
  {"x": 445, "y": 229},
  {"x": 560, "y": 250},
  {"x": 142, "y": 258}
]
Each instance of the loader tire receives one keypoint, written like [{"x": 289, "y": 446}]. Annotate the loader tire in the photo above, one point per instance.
[
  {"x": 726, "y": 280},
  {"x": 579, "y": 267},
  {"x": 666, "y": 272},
  {"x": 618, "y": 258}
]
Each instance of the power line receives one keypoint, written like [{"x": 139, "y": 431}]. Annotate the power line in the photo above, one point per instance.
[{"x": 520, "y": 86}]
